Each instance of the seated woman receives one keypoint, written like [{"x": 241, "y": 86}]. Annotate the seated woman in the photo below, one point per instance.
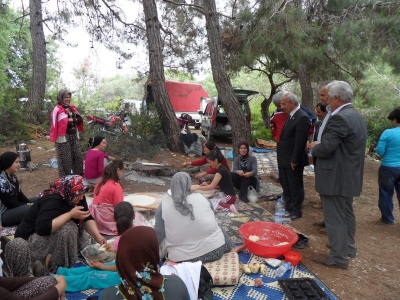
[
  {"x": 138, "y": 265},
  {"x": 209, "y": 174},
  {"x": 186, "y": 227},
  {"x": 13, "y": 203},
  {"x": 222, "y": 179},
  {"x": 244, "y": 171},
  {"x": 42, "y": 288},
  {"x": 96, "y": 159},
  {"x": 107, "y": 194},
  {"x": 97, "y": 275},
  {"x": 56, "y": 222},
  {"x": 18, "y": 284}
]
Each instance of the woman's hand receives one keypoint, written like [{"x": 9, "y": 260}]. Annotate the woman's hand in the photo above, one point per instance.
[
  {"x": 102, "y": 241},
  {"x": 240, "y": 172},
  {"x": 109, "y": 247},
  {"x": 248, "y": 174},
  {"x": 194, "y": 187},
  {"x": 78, "y": 213},
  {"x": 184, "y": 164},
  {"x": 202, "y": 174}
]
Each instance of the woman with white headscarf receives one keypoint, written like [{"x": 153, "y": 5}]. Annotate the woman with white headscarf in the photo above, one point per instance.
[{"x": 186, "y": 227}]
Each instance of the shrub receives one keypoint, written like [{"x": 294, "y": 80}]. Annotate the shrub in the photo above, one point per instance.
[{"x": 144, "y": 140}]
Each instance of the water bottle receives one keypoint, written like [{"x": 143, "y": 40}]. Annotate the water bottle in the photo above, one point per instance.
[
  {"x": 279, "y": 212},
  {"x": 53, "y": 163},
  {"x": 283, "y": 269}
]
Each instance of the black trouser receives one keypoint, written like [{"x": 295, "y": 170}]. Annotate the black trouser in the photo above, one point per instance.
[
  {"x": 242, "y": 183},
  {"x": 14, "y": 216},
  {"x": 293, "y": 188}
]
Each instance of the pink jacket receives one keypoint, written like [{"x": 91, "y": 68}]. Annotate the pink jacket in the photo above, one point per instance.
[{"x": 59, "y": 122}]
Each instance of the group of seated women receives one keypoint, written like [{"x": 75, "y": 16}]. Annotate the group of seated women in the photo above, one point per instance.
[
  {"x": 56, "y": 226},
  {"x": 244, "y": 173}
]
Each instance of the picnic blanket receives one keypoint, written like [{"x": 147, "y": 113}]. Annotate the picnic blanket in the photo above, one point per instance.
[
  {"x": 270, "y": 289},
  {"x": 245, "y": 288}
]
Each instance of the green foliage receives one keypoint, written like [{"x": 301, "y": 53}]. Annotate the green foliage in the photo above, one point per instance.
[
  {"x": 114, "y": 105},
  {"x": 376, "y": 97},
  {"x": 144, "y": 140},
  {"x": 12, "y": 125},
  {"x": 376, "y": 124}
]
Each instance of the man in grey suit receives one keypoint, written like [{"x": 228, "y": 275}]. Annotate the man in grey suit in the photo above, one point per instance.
[
  {"x": 339, "y": 172},
  {"x": 292, "y": 155}
]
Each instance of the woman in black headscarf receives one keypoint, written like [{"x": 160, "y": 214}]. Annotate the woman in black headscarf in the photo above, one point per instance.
[
  {"x": 244, "y": 171},
  {"x": 66, "y": 123},
  {"x": 13, "y": 203}
]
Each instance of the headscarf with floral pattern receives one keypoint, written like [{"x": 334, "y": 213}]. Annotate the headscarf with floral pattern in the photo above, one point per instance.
[
  {"x": 137, "y": 264},
  {"x": 67, "y": 187}
]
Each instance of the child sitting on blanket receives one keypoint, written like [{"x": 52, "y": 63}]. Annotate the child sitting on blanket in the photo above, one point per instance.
[{"x": 97, "y": 275}]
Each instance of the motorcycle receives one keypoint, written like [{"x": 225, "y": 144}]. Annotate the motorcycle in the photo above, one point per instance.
[{"x": 116, "y": 124}]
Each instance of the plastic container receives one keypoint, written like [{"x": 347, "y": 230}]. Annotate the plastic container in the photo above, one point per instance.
[
  {"x": 302, "y": 288},
  {"x": 53, "y": 163},
  {"x": 293, "y": 257},
  {"x": 283, "y": 269},
  {"x": 279, "y": 212},
  {"x": 275, "y": 239}
]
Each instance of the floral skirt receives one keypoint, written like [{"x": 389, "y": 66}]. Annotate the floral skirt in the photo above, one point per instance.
[{"x": 63, "y": 245}]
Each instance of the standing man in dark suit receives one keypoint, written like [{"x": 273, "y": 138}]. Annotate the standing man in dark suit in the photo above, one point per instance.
[
  {"x": 292, "y": 155},
  {"x": 339, "y": 172}
]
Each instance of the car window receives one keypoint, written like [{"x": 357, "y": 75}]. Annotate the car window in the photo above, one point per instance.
[
  {"x": 221, "y": 109},
  {"x": 244, "y": 106}
]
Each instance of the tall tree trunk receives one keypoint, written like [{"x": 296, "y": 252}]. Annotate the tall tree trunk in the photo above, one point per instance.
[
  {"x": 39, "y": 62},
  {"x": 266, "y": 116},
  {"x": 237, "y": 119},
  {"x": 267, "y": 102},
  {"x": 306, "y": 88},
  {"x": 156, "y": 77}
]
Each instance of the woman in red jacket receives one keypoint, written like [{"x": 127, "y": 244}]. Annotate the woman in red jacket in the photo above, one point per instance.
[
  {"x": 66, "y": 123},
  {"x": 210, "y": 173}
]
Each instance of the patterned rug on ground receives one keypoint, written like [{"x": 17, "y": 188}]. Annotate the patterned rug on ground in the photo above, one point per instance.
[
  {"x": 245, "y": 289},
  {"x": 270, "y": 288},
  {"x": 269, "y": 190},
  {"x": 230, "y": 222}
]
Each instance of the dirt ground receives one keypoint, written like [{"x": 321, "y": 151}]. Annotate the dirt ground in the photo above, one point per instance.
[{"x": 373, "y": 274}]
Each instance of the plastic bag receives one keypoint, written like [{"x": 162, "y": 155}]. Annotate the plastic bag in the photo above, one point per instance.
[
  {"x": 93, "y": 251},
  {"x": 252, "y": 194},
  {"x": 205, "y": 285}
]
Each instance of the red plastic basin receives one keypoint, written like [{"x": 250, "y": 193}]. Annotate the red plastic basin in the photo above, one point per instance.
[{"x": 271, "y": 234}]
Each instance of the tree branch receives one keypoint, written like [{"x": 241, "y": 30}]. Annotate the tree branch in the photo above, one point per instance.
[
  {"x": 337, "y": 65},
  {"x": 115, "y": 14},
  {"x": 197, "y": 8}
]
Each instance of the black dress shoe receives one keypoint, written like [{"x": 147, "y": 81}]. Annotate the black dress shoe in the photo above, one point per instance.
[
  {"x": 294, "y": 216},
  {"x": 329, "y": 263},
  {"x": 319, "y": 224}
]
